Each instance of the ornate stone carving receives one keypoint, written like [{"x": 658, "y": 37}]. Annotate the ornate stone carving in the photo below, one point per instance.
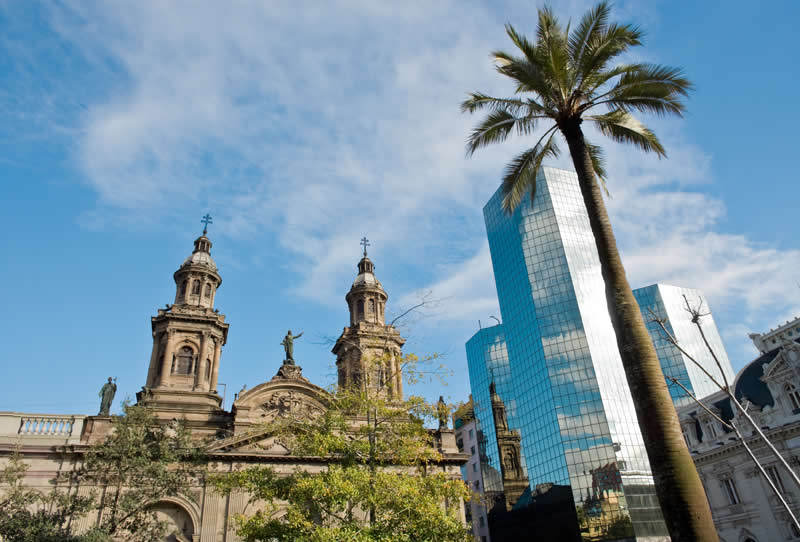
[
  {"x": 287, "y": 371},
  {"x": 288, "y": 404}
]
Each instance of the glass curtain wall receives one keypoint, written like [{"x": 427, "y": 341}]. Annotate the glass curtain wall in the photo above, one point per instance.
[{"x": 572, "y": 403}]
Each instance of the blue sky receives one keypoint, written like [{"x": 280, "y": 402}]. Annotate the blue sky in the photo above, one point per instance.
[{"x": 302, "y": 130}]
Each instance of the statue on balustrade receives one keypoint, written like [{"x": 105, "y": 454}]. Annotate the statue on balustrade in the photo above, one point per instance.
[{"x": 107, "y": 393}]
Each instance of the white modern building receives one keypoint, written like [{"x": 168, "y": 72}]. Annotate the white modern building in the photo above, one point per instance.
[
  {"x": 744, "y": 507},
  {"x": 669, "y": 304},
  {"x": 466, "y": 433}
]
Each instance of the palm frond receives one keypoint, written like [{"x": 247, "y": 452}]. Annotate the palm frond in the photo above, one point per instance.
[
  {"x": 595, "y": 80},
  {"x": 598, "y": 164},
  {"x": 479, "y": 101},
  {"x": 651, "y": 88},
  {"x": 593, "y": 23},
  {"x": 526, "y": 47},
  {"x": 623, "y": 127},
  {"x": 530, "y": 78},
  {"x": 553, "y": 52},
  {"x": 605, "y": 47},
  {"x": 496, "y": 127},
  {"x": 520, "y": 174}
]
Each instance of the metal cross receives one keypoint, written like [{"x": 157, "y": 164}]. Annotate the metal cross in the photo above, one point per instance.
[
  {"x": 206, "y": 220},
  {"x": 365, "y": 244}
]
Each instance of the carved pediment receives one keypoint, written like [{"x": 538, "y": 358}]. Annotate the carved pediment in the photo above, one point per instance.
[
  {"x": 269, "y": 446},
  {"x": 288, "y": 404},
  {"x": 259, "y": 439},
  {"x": 276, "y": 400},
  {"x": 784, "y": 362}
]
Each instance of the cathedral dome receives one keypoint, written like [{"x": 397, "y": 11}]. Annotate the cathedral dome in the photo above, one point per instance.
[
  {"x": 366, "y": 279},
  {"x": 201, "y": 254},
  {"x": 200, "y": 258},
  {"x": 366, "y": 274}
]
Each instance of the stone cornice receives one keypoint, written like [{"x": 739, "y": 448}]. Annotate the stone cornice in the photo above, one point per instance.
[
  {"x": 78, "y": 450},
  {"x": 733, "y": 448}
]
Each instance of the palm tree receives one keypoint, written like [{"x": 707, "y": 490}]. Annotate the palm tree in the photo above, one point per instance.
[{"x": 565, "y": 76}]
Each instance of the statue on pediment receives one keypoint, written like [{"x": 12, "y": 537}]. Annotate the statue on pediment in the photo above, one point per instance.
[{"x": 288, "y": 346}]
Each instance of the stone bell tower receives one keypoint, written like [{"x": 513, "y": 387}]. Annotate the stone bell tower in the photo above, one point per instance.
[
  {"x": 508, "y": 445},
  {"x": 187, "y": 342},
  {"x": 368, "y": 352}
]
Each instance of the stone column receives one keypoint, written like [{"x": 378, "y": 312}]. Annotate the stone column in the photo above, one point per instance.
[
  {"x": 398, "y": 386},
  {"x": 215, "y": 367},
  {"x": 153, "y": 370},
  {"x": 200, "y": 368},
  {"x": 166, "y": 364}
]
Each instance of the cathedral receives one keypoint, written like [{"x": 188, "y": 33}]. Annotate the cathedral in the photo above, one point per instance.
[{"x": 181, "y": 384}]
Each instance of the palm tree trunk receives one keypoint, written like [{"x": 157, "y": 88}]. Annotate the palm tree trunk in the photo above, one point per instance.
[{"x": 680, "y": 493}]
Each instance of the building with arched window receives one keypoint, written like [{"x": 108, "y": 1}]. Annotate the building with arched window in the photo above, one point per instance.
[
  {"x": 743, "y": 504},
  {"x": 181, "y": 383}
]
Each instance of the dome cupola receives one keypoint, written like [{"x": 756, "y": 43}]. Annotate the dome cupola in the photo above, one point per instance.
[
  {"x": 197, "y": 280},
  {"x": 366, "y": 298}
]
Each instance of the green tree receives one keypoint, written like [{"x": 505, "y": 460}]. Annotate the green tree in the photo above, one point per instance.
[
  {"x": 563, "y": 76},
  {"x": 383, "y": 483},
  {"x": 140, "y": 463},
  {"x": 28, "y": 515}
]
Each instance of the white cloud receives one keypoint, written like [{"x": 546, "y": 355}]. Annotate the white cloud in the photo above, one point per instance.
[{"x": 319, "y": 125}]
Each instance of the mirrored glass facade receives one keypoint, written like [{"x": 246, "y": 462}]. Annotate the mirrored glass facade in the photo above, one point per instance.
[
  {"x": 669, "y": 302},
  {"x": 565, "y": 387},
  {"x": 487, "y": 359}
]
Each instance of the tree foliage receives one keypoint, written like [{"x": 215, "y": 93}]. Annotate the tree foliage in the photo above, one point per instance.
[
  {"x": 140, "y": 463},
  {"x": 28, "y": 515},
  {"x": 380, "y": 479},
  {"x": 563, "y": 76}
]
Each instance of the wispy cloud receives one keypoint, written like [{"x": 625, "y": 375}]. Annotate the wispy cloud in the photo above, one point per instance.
[{"x": 315, "y": 126}]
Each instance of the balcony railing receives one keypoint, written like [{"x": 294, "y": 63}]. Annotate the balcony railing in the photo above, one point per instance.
[{"x": 59, "y": 426}]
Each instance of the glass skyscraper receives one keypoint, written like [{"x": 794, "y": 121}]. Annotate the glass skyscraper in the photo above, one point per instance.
[
  {"x": 489, "y": 347},
  {"x": 560, "y": 373},
  {"x": 669, "y": 302}
]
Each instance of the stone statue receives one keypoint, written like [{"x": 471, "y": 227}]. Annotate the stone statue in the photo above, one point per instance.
[
  {"x": 441, "y": 410},
  {"x": 107, "y": 393},
  {"x": 288, "y": 346}
]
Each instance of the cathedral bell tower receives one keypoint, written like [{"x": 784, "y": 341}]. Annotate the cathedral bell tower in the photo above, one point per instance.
[
  {"x": 368, "y": 353},
  {"x": 187, "y": 342},
  {"x": 508, "y": 445}
]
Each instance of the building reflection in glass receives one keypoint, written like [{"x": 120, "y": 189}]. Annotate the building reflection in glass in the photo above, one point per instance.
[
  {"x": 667, "y": 302},
  {"x": 555, "y": 363}
]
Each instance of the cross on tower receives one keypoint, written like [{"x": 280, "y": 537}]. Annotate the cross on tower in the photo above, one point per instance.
[
  {"x": 206, "y": 220},
  {"x": 365, "y": 243}
]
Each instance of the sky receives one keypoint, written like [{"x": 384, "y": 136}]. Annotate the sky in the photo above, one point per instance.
[{"x": 302, "y": 127}]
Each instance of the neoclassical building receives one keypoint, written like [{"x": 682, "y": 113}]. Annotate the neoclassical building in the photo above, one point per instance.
[
  {"x": 181, "y": 383},
  {"x": 744, "y": 507}
]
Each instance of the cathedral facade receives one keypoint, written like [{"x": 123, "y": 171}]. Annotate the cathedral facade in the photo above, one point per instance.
[{"x": 181, "y": 384}]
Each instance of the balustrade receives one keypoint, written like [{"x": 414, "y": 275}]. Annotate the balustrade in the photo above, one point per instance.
[{"x": 41, "y": 425}]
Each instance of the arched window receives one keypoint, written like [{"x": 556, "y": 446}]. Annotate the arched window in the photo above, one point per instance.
[
  {"x": 183, "y": 288},
  {"x": 360, "y": 310},
  {"x": 196, "y": 288},
  {"x": 208, "y": 290},
  {"x": 794, "y": 396},
  {"x": 183, "y": 365},
  {"x": 372, "y": 309}
]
